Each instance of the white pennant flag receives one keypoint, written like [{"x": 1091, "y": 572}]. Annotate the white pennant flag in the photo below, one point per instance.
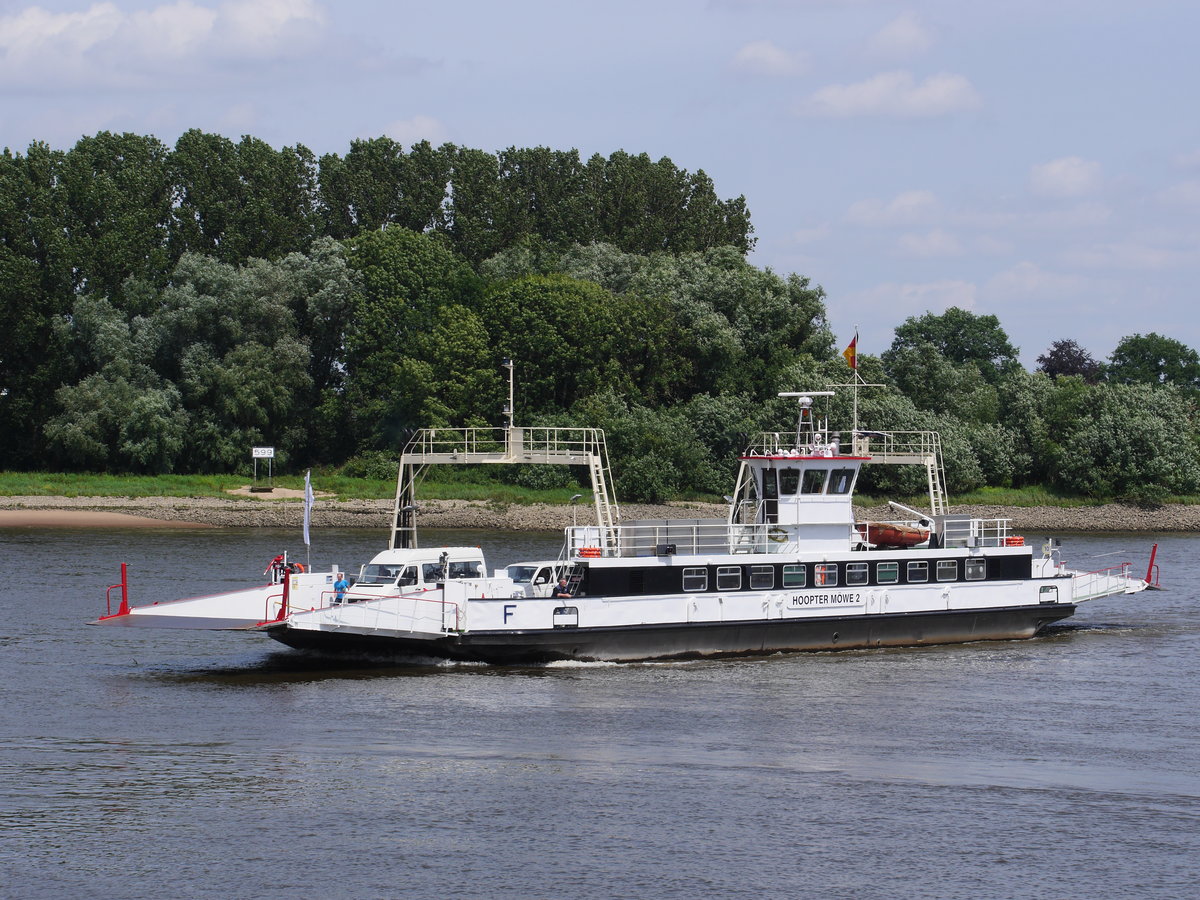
[{"x": 308, "y": 503}]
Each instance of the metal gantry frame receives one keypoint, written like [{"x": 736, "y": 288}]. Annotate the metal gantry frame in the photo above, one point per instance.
[{"x": 510, "y": 445}]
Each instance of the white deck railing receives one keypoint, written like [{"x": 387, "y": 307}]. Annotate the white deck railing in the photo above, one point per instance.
[{"x": 1104, "y": 583}]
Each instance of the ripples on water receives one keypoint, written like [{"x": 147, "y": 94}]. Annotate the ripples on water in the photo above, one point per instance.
[{"x": 144, "y": 763}]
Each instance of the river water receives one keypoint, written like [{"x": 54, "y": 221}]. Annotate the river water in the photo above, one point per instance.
[{"x": 140, "y": 763}]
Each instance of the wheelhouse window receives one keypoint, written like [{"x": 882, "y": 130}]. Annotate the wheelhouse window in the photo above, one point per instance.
[
  {"x": 729, "y": 578},
  {"x": 762, "y": 578},
  {"x": 695, "y": 579},
  {"x": 976, "y": 569},
  {"x": 770, "y": 485},
  {"x": 814, "y": 481},
  {"x": 858, "y": 572},
  {"x": 825, "y": 574},
  {"x": 795, "y": 576},
  {"x": 841, "y": 481},
  {"x": 947, "y": 570},
  {"x": 887, "y": 572},
  {"x": 789, "y": 481},
  {"x": 918, "y": 571}
]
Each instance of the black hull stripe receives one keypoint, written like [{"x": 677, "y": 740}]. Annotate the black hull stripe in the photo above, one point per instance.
[{"x": 631, "y": 643}]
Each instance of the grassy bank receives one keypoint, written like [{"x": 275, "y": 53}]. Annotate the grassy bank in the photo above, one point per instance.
[
  {"x": 51, "y": 484},
  {"x": 57, "y": 484}
]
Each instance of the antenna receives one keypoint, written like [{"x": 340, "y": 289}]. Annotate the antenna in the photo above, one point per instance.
[
  {"x": 805, "y": 401},
  {"x": 509, "y": 409}
]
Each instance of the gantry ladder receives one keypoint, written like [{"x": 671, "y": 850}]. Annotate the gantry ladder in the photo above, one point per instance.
[{"x": 908, "y": 448}]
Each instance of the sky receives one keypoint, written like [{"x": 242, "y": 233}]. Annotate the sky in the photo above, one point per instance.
[{"x": 1036, "y": 160}]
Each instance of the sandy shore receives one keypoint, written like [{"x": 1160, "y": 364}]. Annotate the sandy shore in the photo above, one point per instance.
[{"x": 281, "y": 511}]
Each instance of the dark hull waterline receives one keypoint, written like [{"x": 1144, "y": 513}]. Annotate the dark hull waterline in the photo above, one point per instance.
[{"x": 695, "y": 640}]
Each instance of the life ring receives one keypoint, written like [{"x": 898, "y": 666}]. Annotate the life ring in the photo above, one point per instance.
[
  {"x": 297, "y": 567},
  {"x": 776, "y": 534}
]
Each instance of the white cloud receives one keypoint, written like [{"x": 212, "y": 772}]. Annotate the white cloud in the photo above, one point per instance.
[
  {"x": 1070, "y": 176},
  {"x": 1089, "y": 214},
  {"x": 270, "y": 26},
  {"x": 1188, "y": 160},
  {"x": 1186, "y": 193},
  {"x": 990, "y": 245},
  {"x": 1131, "y": 254},
  {"x": 897, "y": 301},
  {"x": 104, "y": 46},
  {"x": 240, "y": 118},
  {"x": 767, "y": 58},
  {"x": 896, "y": 94},
  {"x": 902, "y": 38},
  {"x": 418, "y": 128},
  {"x": 811, "y": 235},
  {"x": 1029, "y": 281},
  {"x": 167, "y": 32},
  {"x": 934, "y": 243},
  {"x": 907, "y": 208},
  {"x": 784, "y": 5}
]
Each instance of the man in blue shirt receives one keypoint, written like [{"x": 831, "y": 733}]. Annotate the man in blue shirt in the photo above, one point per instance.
[{"x": 340, "y": 587}]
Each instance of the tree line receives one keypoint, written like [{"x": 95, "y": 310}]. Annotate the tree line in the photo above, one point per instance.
[
  {"x": 118, "y": 224},
  {"x": 166, "y": 309},
  {"x": 1126, "y": 428}
]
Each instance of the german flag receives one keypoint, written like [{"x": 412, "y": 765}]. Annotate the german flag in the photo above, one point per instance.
[{"x": 851, "y": 353}]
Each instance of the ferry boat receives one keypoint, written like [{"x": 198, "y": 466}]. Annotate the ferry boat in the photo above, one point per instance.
[{"x": 787, "y": 569}]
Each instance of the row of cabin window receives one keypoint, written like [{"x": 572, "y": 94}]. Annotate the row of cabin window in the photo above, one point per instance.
[
  {"x": 840, "y": 481},
  {"x": 729, "y": 578}
]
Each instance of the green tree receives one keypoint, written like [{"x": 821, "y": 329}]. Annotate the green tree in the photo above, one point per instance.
[
  {"x": 457, "y": 381},
  {"x": 545, "y": 193},
  {"x": 476, "y": 218},
  {"x": 117, "y": 208},
  {"x": 960, "y": 337},
  {"x": 122, "y": 418},
  {"x": 740, "y": 329},
  {"x": 378, "y": 184},
  {"x": 242, "y": 201},
  {"x": 35, "y": 290},
  {"x": 218, "y": 365},
  {"x": 1154, "y": 359},
  {"x": 406, "y": 280},
  {"x": 933, "y": 382},
  {"x": 561, "y": 331},
  {"x": 1126, "y": 441},
  {"x": 281, "y": 214},
  {"x": 207, "y": 174}
]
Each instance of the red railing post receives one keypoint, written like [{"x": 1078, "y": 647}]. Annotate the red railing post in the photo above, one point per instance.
[
  {"x": 124, "y": 586},
  {"x": 283, "y": 606}
]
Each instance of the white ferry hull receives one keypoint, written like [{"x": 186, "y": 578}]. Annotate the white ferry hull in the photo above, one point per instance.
[{"x": 691, "y": 640}]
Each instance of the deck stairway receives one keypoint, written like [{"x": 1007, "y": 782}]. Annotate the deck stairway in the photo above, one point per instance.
[{"x": 502, "y": 446}]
